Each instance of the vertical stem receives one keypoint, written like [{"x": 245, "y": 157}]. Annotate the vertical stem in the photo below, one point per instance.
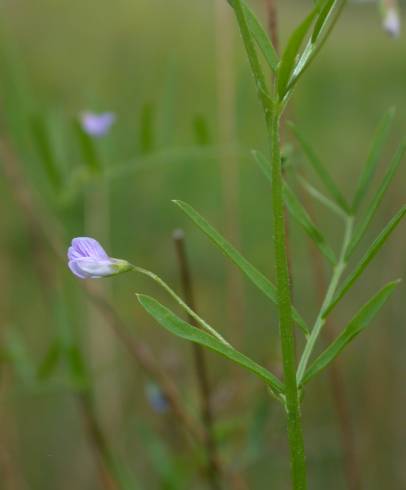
[
  {"x": 213, "y": 471},
  {"x": 295, "y": 434}
]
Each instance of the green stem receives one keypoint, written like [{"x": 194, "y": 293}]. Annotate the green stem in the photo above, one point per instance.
[
  {"x": 272, "y": 115},
  {"x": 181, "y": 303},
  {"x": 321, "y": 318},
  {"x": 295, "y": 433}
]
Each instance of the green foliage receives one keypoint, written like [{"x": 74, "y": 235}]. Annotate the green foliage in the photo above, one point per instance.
[
  {"x": 255, "y": 276},
  {"x": 360, "y": 321},
  {"x": 186, "y": 331}
]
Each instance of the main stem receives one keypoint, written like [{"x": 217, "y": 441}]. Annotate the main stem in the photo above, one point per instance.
[{"x": 295, "y": 433}]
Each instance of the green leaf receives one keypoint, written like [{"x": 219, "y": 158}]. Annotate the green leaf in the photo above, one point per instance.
[
  {"x": 319, "y": 196},
  {"x": 366, "y": 259},
  {"x": 46, "y": 152},
  {"x": 356, "y": 325},
  {"x": 297, "y": 211},
  {"x": 372, "y": 208},
  {"x": 88, "y": 149},
  {"x": 320, "y": 169},
  {"x": 147, "y": 129},
  {"x": 186, "y": 331},
  {"x": 322, "y": 19},
  {"x": 380, "y": 138},
  {"x": 324, "y": 24},
  {"x": 288, "y": 60},
  {"x": 50, "y": 361},
  {"x": 256, "y": 277},
  {"x": 261, "y": 38},
  {"x": 201, "y": 130}
]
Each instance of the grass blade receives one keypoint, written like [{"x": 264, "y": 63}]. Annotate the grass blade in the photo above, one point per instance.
[
  {"x": 297, "y": 211},
  {"x": 320, "y": 169},
  {"x": 360, "y": 321},
  {"x": 253, "y": 274},
  {"x": 366, "y": 259},
  {"x": 186, "y": 331},
  {"x": 381, "y": 135},
  {"x": 372, "y": 208}
]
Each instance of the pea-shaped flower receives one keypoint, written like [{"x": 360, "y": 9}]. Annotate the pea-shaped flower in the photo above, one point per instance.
[
  {"x": 88, "y": 260},
  {"x": 97, "y": 125}
]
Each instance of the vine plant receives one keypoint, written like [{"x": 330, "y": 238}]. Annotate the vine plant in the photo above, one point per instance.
[{"x": 302, "y": 47}]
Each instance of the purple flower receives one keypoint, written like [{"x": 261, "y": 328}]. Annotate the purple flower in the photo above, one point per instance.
[
  {"x": 391, "y": 22},
  {"x": 97, "y": 125},
  {"x": 87, "y": 259}
]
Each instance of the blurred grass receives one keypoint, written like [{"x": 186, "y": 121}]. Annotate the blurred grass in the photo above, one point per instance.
[{"x": 59, "y": 58}]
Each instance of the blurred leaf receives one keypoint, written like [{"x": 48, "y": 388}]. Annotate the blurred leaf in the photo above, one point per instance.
[
  {"x": 312, "y": 191},
  {"x": 201, "y": 130},
  {"x": 256, "y": 277},
  {"x": 16, "y": 353},
  {"x": 88, "y": 149},
  {"x": 356, "y": 325},
  {"x": 320, "y": 169},
  {"x": 186, "y": 331},
  {"x": 366, "y": 259},
  {"x": 380, "y": 138},
  {"x": 46, "y": 152},
  {"x": 170, "y": 473},
  {"x": 288, "y": 59},
  {"x": 50, "y": 362},
  {"x": 147, "y": 129},
  {"x": 372, "y": 208},
  {"x": 297, "y": 211}
]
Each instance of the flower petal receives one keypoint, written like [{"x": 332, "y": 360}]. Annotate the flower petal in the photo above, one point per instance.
[{"x": 86, "y": 247}]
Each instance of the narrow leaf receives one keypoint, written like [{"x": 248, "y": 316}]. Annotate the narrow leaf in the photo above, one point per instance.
[
  {"x": 201, "y": 130},
  {"x": 297, "y": 211},
  {"x": 186, "y": 331},
  {"x": 88, "y": 149},
  {"x": 256, "y": 277},
  {"x": 46, "y": 152},
  {"x": 322, "y": 19},
  {"x": 50, "y": 362},
  {"x": 320, "y": 169},
  {"x": 372, "y": 208},
  {"x": 261, "y": 38},
  {"x": 360, "y": 321},
  {"x": 147, "y": 129},
  {"x": 288, "y": 60},
  {"x": 380, "y": 138},
  {"x": 312, "y": 191},
  {"x": 366, "y": 259}
]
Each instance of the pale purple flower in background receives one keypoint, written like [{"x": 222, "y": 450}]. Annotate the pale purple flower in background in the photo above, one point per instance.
[
  {"x": 390, "y": 16},
  {"x": 88, "y": 260},
  {"x": 156, "y": 398},
  {"x": 97, "y": 125}
]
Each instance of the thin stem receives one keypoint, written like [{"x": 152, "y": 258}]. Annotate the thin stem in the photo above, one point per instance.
[
  {"x": 295, "y": 433},
  {"x": 272, "y": 117},
  {"x": 321, "y": 317},
  {"x": 188, "y": 310},
  {"x": 213, "y": 471}
]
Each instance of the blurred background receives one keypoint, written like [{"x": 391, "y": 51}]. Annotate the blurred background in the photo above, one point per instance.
[{"x": 84, "y": 393}]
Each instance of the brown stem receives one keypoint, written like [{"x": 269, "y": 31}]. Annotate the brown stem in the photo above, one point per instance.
[
  {"x": 213, "y": 472},
  {"x": 273, "y": 23}
]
